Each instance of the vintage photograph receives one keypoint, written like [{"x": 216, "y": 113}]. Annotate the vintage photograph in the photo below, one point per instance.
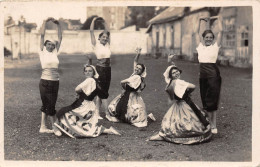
[{"x": 133, "y": 83}]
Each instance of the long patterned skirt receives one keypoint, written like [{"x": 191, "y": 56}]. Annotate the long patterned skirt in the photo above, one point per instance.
[
  {"x": 182, "y": 125},
  {"x": 81, "y": 121},
  {"x": 135, "y": 113}
]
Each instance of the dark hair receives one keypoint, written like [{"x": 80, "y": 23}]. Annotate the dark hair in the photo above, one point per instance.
[
  {"x": 104, "y": 32},
  {"x": 173, "y": 68},
  {"x": 86, "y": 65},
  {"x": 45, "y": 43},
  {"x": 143, "y": 67},
  {"x": 206, "y": 32}
]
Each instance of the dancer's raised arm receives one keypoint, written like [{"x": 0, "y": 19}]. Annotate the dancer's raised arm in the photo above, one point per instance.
[
  {"x": 220, "y": 28},
  {"x": 170, "y": 59},
  {"x": 107, "y": 30},
  {"x": 42, "y": 31},
  {"x": 92, "y": 35},
  {"x": 138, "y": 53},
  {"x": 59, "y": 34}
]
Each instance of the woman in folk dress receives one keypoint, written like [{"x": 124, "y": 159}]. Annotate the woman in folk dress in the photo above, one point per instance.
[
  {"x": 80, "y": 118},
  {"x": 184, "y": 122},
  {"x": 129, "y": 106}
]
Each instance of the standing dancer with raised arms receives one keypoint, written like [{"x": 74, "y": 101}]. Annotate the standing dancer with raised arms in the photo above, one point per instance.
[
  {"x": 49, "y": 83},
  {"x": 102, "y": 51},
  {"x": 210, "y": 79}
]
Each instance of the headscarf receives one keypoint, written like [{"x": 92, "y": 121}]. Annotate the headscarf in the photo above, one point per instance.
[
  {"x": 96, "y": 75},
  {"x": 144, "y": 73},
  {"x": 167, "y": 71},
  {"x": 50, "y": 40}
]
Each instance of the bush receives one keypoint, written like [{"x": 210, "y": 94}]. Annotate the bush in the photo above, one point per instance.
[{"x": 7, "y": 52}]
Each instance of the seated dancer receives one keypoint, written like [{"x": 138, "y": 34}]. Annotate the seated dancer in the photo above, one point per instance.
[
  {"x": 81, "y": 117},
  {"x": 184, "y": 122},
  {"x": 129, "y": 106}
]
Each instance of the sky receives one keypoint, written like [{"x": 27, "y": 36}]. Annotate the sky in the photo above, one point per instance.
[{"x": 36, "y": 12}]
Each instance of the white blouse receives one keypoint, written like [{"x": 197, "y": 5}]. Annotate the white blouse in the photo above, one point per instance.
[
  {"x": 102, "y": 51},
  {"x": 208, "y": 54},
  {"x": 49, "y": 59},
  {"x": 180, "y": 87},
  {"x": 134, "y": 81},
  {"x": 87, "y": 86}
]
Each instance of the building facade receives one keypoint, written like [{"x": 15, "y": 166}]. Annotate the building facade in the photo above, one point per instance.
[
  {"x": 115, "y": 16},
  {"x": 172, "y": 32}
]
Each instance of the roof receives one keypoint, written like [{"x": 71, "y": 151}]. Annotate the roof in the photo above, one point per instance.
[
  {"x": 168, "y": 14},
  {"x": 171, "y": 14}
]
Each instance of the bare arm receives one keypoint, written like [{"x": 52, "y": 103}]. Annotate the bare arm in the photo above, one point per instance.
[
  {"x": 170, "y": 59},
  {"x": 92, "y": 35},
  {"x": 220, "y": 27},
  {"x": 78, "y": 89},
  {"x": 89, "y": 60},
  {"x": 124, "y": 81},
  {"x": 170, "y": 101},
  {"x": 42, "y": 31},
  {"x": 138, "y": 53},
  {"x": 59, "y": 34},
  {"x": 199, "y": 34},
  {"x": 191, "y": 86},
  {"x": 107, "y": 30}
]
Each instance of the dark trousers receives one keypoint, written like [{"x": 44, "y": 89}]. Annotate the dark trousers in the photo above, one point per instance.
[
  {"x": 210, "y": 92},
  {"x": 103, "y": 81},
  {"x": 49, "y": 93}
]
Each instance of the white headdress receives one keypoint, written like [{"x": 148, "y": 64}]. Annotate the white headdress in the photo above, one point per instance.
[
  {"x": 166, "y": 74},
  {"x": 96, "y": 75},
  {"x": 51, "y": 40},
  {"x": 144, "y": 73}
]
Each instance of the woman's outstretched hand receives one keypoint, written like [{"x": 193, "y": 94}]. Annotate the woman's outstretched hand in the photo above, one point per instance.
[
  {"x": 138, "y": 50},
  {"x": 171, "y": 59}
]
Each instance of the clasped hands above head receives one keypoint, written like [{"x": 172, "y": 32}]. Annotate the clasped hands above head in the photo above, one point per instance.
[{"x": 53, "y": 20}]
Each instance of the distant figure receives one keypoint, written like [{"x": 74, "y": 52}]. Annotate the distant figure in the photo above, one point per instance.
[
  {"x": 80, "y": 118},
  {"x": 49, "y": 83},
  {"x": 16, "y": 51},
  {"x": 210, "y": 79},
  {"x": 103, "y": 66},
  {"x": 129, "y": 106},
  {"x": 184, "y": 122}
]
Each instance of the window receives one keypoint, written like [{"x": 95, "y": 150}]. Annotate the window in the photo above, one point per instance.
[
  {"x": 229, "y": 40},
  {"x": 229, "y": 24},
  {"x": 243, "y": 36},
  {"x": 229, "y": 33}
]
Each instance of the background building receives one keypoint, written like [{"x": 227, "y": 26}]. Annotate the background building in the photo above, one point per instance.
[
  {"x": 172, "y": 32},
  {"x": 114, "y": 16}
]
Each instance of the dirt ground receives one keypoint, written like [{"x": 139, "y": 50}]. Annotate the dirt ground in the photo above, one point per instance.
[{"x": 22, "y": 141}]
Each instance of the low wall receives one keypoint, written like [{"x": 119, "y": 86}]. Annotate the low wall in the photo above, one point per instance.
[{"x": 122, "y": 42}]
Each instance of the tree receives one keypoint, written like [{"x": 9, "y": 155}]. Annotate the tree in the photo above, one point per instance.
[
  {"x": 29, "y": 26},
  {"x": 9, "y": 21},
  {"x": 98, "y": 25},
  {"x": 139, "y": 15},
  {"x": 214, "y": 11}
]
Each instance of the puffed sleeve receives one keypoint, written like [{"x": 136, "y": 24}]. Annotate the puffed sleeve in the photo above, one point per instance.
[
  {"x": 134, "y": 81},
  {"x": 180, "y": 87},
  {"x": 88, "y": 86}
]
